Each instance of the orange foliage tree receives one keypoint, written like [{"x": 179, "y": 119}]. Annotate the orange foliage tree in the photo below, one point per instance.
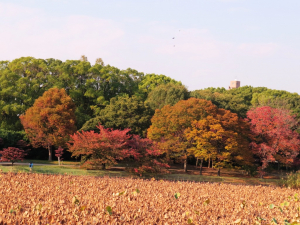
[
  {"x": 50, "y": 120},
  {"x": 169, "y": 125},
  {"x": 221, "y": 136}
]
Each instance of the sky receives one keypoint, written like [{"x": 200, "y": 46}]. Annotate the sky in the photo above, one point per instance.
[{"x": 215, "y": 41}]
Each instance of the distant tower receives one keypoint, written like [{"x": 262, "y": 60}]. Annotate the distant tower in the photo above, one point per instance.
[{"x": 234, "y": 84}]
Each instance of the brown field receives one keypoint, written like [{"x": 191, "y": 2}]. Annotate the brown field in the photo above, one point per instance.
[{"x": 62, "y": 199}]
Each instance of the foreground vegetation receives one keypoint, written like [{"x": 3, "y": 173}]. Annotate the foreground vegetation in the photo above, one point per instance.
[{"x": 51, "y": 199}]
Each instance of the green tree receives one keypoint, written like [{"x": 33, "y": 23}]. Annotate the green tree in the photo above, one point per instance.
[
  {"x": 21, "y": 82},
  {"x": 236, "y": 100},
  {"x": 166, "y": 94},
  {"x": 123, "y": 112},
  {"x": 151, "y": 81}
]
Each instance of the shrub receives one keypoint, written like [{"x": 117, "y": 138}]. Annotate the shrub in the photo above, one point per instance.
[{"x": 292, "y": 180}]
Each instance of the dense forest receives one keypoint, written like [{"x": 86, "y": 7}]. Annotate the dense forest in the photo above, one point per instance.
[{"x": 118, "y": 99}]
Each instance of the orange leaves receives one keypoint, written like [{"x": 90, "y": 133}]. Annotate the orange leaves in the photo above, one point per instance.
[
  {"x": 198, "y": 127},
  {"x": 51, "y": 119},
  {"x": 169, "y": 124}
]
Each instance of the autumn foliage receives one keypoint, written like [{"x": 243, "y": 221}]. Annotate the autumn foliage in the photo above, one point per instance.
[
  {"x": 199, "y": 128},
  {"x": 110, "y": 146},
  {"x": 169, "y": 125},
  {"x": 12, "y": 154},
  {"x": 103, "y": 148},
  {"x": 147, "y": 155},
  {"x": 50, "y": 120},
  {"x": 275, "y": 135},
  {"x": 59, "y": 153}
]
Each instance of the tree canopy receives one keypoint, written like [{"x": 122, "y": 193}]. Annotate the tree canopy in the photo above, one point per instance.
[
  {"x": 167, "y": 94},
  {"x": 50, "y": 120},
  {"x": 169, "y": 125},
  {"x": 123, "y": 112},
  {"x": 275, "y": 135}
]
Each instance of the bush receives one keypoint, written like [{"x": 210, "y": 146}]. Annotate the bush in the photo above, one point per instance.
[{"x": 292, "y": 180}]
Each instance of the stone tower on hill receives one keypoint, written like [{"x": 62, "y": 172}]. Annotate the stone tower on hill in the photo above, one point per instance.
[{"x": 234, "y": 84}]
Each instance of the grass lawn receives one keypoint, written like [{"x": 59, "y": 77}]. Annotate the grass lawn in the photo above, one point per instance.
[
  {"x": 49, "y": 162},
  {"x": 72, "y": 169}
]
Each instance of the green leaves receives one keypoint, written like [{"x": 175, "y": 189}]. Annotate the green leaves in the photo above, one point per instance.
[
  {"x": 272, "y": 206},
  {"x": 296, "y": 197},
  {"x": 136, "y": 191},
  {"x": 177, "y": 195},
  {"x": 109, "y": 210},
  {"x": 166, "y": 94},
  {"x": 123, "y": 112}
]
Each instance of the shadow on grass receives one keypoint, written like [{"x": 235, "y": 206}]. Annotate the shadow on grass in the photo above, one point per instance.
[{"x": 73, "y": 170}]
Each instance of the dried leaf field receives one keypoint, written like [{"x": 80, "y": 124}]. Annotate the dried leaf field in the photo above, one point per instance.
[{"x": 63, "y": 199}]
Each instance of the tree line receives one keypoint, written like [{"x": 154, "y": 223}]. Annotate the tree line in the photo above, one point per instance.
[{"x": 51, "y": 103}]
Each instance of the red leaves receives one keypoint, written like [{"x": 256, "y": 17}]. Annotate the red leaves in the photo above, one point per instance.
[
  {"x": 104, "y": 147},
  {"x": 12, "y": 154},
  {"x": 100, "y": 148},
  {"x": 275, "y": 135},
  {"x": 147, "y": 154},
  {"x": 110, "y": 145},
  {"x": 59, "y": 152}
]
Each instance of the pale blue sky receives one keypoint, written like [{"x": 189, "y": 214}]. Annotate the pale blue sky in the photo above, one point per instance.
[{"x": 255, "y": 41}]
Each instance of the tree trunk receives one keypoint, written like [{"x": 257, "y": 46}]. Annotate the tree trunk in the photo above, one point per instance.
[
  {"x": 50, "y": 153},
  {"x": 219, "y": 171},
  {"x": 197, "y": 162},
  {"x": 212, "y": 163},
  {"x": 201, "y": 166},
  {"x": 184, "y": 166},
  {"x": 103, "y": 166},
  {"x": 58, "y": 161},
  {"x": 208, "y": 162}
]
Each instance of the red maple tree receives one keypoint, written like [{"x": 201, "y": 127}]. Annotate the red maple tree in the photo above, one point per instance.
[
  {"x": 148, "y": 157},
  {"x": 275, "y": 135},
  {"x": 12, "y": 154},
  {"x": 103, "y": 148},
  {"x": 110, "y": 146}
]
